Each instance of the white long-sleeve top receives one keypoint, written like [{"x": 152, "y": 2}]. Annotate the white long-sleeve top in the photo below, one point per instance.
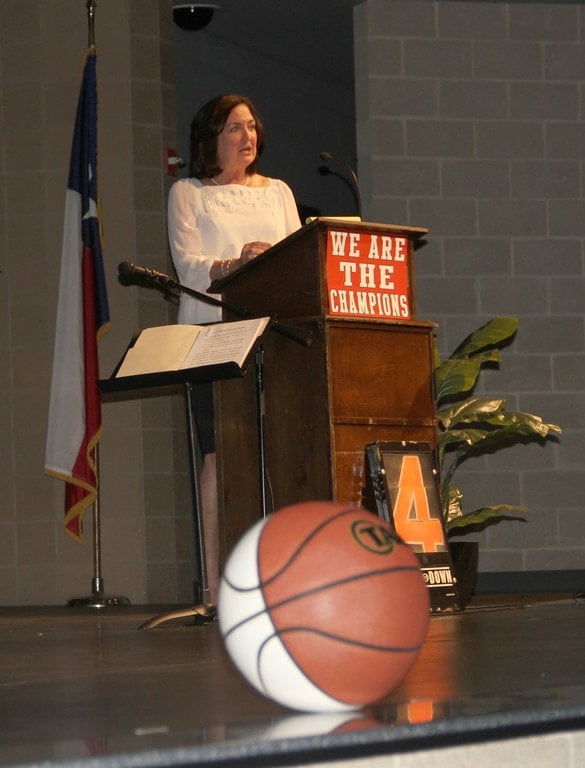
[{"x": 207, "y": 223}]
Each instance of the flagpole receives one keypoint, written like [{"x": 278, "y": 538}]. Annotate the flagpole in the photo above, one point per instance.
[
  {"x": 97, "y": 584},
  {"x": 91, "y": 6},
  {"x": 97, "y": 599}
]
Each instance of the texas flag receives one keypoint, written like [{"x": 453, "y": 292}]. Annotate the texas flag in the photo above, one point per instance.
[{"x": 74, "y": 427}]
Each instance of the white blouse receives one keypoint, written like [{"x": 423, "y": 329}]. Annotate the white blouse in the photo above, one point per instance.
[{"x": 207, "y": 223}]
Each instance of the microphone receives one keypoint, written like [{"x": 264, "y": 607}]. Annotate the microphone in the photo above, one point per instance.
[
  {"x": 329, "y": 158},
  {"x": 128, "y": 271}
]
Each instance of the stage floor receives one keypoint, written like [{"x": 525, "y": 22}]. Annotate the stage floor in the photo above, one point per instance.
[{"x": 86, "y": 686}]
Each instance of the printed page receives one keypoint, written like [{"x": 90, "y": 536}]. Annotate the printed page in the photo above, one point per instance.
[
  {"x": 158, "y": 349},
  {"x": 225, "y": 343}
]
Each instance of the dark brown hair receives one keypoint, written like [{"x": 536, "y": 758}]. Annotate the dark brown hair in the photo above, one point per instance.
[{"x": 207, "y": 124}]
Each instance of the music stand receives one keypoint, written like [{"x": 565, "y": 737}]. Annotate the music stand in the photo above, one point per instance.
[{"x": 203, "y": 612}]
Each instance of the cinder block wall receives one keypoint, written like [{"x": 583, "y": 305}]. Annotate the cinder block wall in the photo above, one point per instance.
[
  {"x": 470, "y": 121},
  {"x": 146, "y": 524}
]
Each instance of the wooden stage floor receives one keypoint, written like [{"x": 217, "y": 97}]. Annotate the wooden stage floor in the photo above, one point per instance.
[{"x": 83, "y": 686}]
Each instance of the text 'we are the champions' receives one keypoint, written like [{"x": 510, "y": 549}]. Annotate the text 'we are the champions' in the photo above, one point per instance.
[{"x": 368, "y": 275}]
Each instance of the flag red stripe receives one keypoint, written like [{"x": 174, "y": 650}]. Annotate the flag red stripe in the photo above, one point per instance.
[{"x": 84, "y": 467}]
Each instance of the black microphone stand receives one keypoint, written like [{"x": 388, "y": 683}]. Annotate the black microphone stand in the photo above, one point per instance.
[
  {"x": 329, "y": 158},
  {"x": 205, "y": 612},
  {"x": 150, "y": 278}
]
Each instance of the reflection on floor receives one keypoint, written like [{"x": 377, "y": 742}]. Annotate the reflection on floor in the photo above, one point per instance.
[{"x": 79, "y": 684}]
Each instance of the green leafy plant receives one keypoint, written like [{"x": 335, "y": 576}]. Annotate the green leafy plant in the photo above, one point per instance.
[{"x": 473, "y": 426}]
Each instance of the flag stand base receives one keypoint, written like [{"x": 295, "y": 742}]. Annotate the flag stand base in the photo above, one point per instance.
[{"x": 98, "y": 599}]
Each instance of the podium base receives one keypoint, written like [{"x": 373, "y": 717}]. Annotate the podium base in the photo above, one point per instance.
[{"x": 202, "y": 614}]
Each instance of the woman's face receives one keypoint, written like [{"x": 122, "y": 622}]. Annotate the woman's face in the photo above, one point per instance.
[{"x": 237, "y": 142}]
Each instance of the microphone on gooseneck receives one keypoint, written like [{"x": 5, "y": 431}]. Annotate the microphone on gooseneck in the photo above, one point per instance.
[
  {"x": 329, "y": 158},
  {"x": 128, "y": 271}
]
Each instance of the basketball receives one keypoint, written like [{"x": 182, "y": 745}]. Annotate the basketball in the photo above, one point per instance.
[{"x": 322, "y": 607}]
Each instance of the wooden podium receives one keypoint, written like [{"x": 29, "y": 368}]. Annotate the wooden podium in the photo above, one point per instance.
[{"x": 366, "y": 376}]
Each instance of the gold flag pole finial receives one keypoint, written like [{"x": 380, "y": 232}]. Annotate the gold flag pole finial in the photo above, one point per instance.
[{"x": 91, "y": 4}]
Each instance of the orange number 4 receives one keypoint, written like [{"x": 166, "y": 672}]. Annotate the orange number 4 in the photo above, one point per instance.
[{"x": 416, "y": 521}]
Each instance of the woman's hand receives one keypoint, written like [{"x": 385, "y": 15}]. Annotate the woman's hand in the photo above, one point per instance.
[
  {"x": 223, "y": 267},
  {"x": 251, "y": 250}
]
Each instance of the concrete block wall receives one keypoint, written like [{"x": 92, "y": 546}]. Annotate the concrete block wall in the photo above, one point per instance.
[
  {"x": 470, "y": 122},
  {"x": 146, "y": 524}
]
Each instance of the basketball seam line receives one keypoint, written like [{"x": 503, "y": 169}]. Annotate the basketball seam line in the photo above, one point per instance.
[
  {"x": 277, "y": 633},
  {"x": 300, "y": 548},
  {"x": 315, "y": 590}
]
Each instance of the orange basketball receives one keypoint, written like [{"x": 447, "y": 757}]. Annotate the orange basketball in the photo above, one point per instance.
[{"x": 322, "y": 608}]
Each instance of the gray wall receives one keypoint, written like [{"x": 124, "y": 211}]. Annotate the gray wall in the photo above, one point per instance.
[
  {"x": 470, "y": 119},
  {"x": 146, "y": 526}
]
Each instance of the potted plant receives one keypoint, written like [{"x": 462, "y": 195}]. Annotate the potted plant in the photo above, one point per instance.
[{"x": 471, "y": 426}]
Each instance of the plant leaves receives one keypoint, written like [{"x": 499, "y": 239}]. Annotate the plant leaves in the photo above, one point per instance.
[
  {"x": 501, "y": 438},
  {"x": 471, "y": 426},
  {"x": 493, "y": 334},
  {"x": 522, "y": 423},
  {"x": 497, "y": 428},
  {"x": 452, "y": 503},
  {"x": 456, "y": 377},
  {"x": 480, "y": 516},
  {"x": 471, "y": 410}
]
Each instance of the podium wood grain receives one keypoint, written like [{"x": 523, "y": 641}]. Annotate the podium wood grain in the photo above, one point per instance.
[{"x": 360, "y": 381}]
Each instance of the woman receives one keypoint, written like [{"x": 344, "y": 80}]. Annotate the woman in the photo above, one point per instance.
[{"x": 221, "y": 217}]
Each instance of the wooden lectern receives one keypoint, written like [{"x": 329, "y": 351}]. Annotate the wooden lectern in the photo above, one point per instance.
[{"x": 366, "y": 376}]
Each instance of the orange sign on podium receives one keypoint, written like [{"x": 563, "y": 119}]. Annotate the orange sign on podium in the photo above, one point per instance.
[{"x": 368, "y": 274}]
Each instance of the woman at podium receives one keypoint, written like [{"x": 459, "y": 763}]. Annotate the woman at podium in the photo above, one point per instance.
[{"x": 219, "y": 218}]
